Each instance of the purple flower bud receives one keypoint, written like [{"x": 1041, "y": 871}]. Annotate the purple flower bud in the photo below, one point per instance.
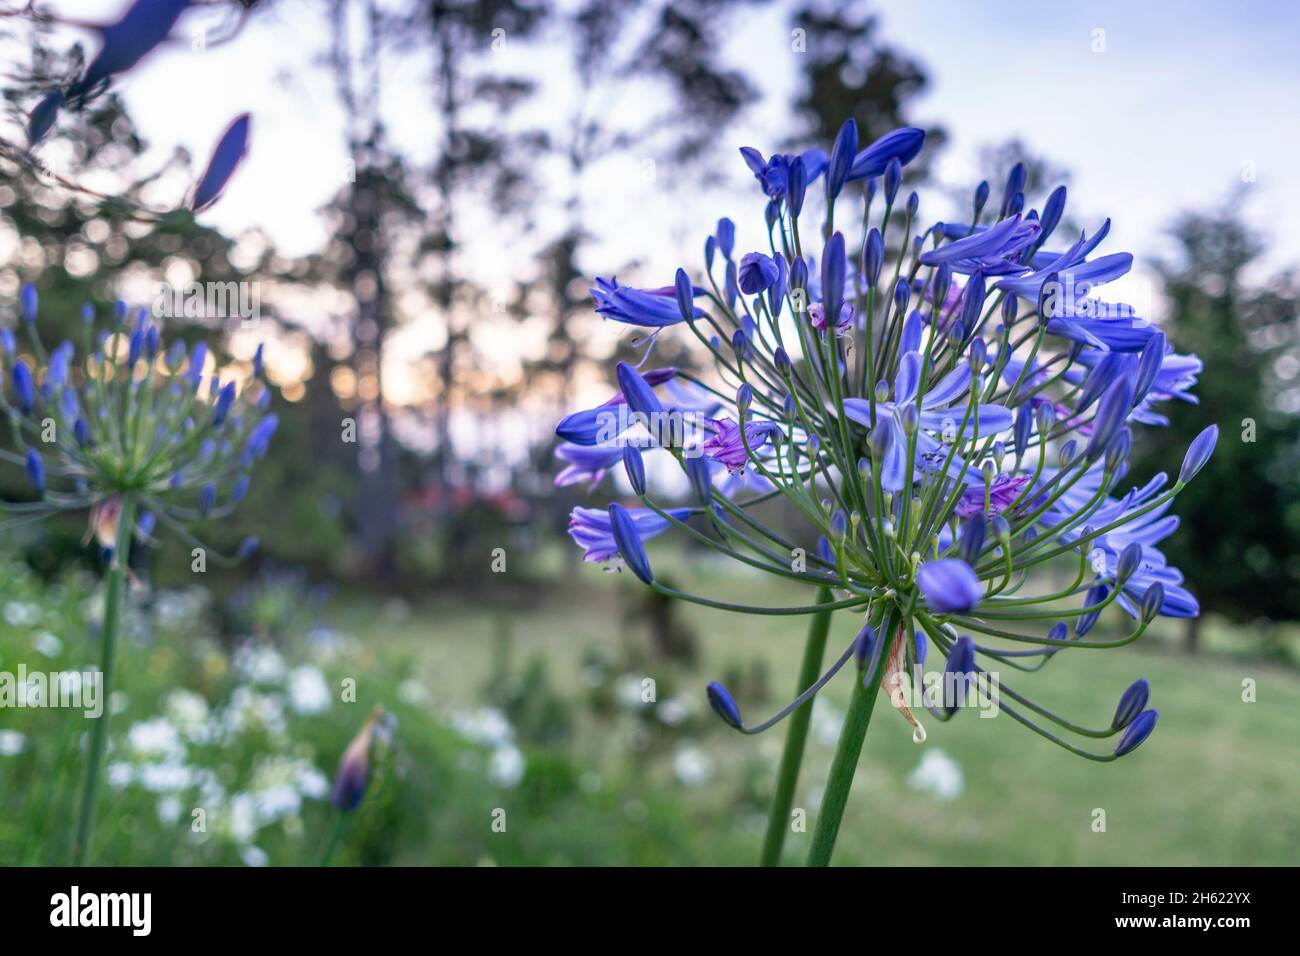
[
  {"x": 873, "y": 257},
  {"x": 226, "y": 157},
  {"x": 240, "y": 489},
  {"x": 842, "y": 156},
  {"x": 28, "y": 301},
  {"x": 799, "y": 274},
  {"x": 741, "y": 346},
  {"x": 1052, "y": 210},
  {"x": 893, "y": 179},
  {"x": 833, "y": 269},
  {"x": 629, "y": 544},
  {"x": 635, "y": 468},
  {"x": 863, "y": 645},
  {"x": 1085, "y": 622},
  {"x": 81, "y": 432},
  {"x": 726, "y": 237},
  {"x": 949, "y": 585},
  {"x": 902, "y": 293},
  {"x": 23, "y": 387},
  {"x": 1117, "y": 451},
  {"x": 1010, "y": 308},
  {"x": 921, "y": 647},
  {"x": 43, "y": 116},
  {"x": 685, "y": 295},
  {"x": 259, "y": 362},
  {"x": 225, "y": 398},
  {"x": 640, "y": 396},
  {"x": 1015, "y": 184},
  {"x": 207, "y": 498},
  {"x": 941, "y": 284},
  {"x": 781, "y": 359},
  {"x": 913, "y": 206},
  {"x": 701, "y": 479},
  {"x": 1131, "y": 704},
  {"x": 36, "y": 472},
  {"x": 724, "y": 705},
  {"x": 135, "y": 348},
  {"x": 776, "y": 292},
  {"x": 972, "y": 304},
  {"x": 247, "y": 548},
  {"x": 1198, "y": 452},
  {"x": 1137, "y": 732},
  {"x": 744, "y": 397},
  {"x": 1153, "y": 599},
  {"x": 981, "y": 197},
  {"x": 353, "y": 775},
  {"x": 757, "y": 273},
  {"x": 970, "y": 542},
  {"x": 796, "y": 185},
  {"x": 1129, "y": 560},
  {"x": 1112, "y": 411},
  {"x": 958, "y": 672}
]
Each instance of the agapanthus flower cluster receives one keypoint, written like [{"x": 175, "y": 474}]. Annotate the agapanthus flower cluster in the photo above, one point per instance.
[
  {"x": 128, "y": 420},
  {"x": 947, "y": 409}
]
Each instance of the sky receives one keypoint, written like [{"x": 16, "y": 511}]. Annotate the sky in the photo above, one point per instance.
[{"x": 1153, "y": 107}]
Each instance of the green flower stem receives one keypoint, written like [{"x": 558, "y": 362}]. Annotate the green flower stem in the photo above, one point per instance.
[
  {"x": 108, "y": 647},
  {"x": 787, "y": 777},
  {"x": 335, "y": 832},
  {"x": 847, "y": 751}
]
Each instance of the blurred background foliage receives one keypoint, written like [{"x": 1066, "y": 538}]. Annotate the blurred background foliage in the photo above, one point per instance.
[{"x": 523, "y": 690}]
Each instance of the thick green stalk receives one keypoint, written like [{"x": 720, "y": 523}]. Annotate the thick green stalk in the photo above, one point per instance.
[
  {"x": 796, "y": 735},
  {"x": 847, "y": 751},
  {"x": 108, "y": 647}
]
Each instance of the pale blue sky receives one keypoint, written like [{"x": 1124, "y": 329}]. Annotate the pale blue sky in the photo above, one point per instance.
[{"x": 1185, "y": 96}]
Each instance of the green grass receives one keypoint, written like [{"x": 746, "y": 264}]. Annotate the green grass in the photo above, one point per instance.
[{"x": 1216, "y": 784}]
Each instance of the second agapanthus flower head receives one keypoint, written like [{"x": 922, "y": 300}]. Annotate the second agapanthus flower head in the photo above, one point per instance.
[{"x": 128, "y": 417}]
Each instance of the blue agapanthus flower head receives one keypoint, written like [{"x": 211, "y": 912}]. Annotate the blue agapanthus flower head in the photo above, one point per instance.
[
  {"x": 947, "y": 410},
  {"x": 126, "y": 419}
]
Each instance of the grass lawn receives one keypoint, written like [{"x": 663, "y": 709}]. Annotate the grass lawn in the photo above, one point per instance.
[{"x": 1216, "y": 784}]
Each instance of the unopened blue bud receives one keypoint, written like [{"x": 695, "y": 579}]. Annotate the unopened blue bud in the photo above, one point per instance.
[
  {"x": 1198, "y": 453},
  {"x": 1132, "y": 703},
  {"x": 863, "y": 645},
  {"x": 701, "y": 479},
  {"x": 958, "y": 672},
  {"x": 893, "y": 179},
  {"x": 1137, "y": 732},
  {"x": 635, "y": 468},
  {"x": 1085, "y": 622},
  {"x": 1153, "y": 600},
  {"x": 24, "y": 387},
  {"x": 36, "y": 472},
  {"x": 873, "y": 257},
  {"x": 28, "y": 301},
  {"x": 724, "y": 705}
]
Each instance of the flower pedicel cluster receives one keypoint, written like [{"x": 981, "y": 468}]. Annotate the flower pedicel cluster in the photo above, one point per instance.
[{"x": 945, "y": 424}]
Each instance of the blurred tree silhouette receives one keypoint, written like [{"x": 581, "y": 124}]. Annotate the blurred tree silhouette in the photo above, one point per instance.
[
  {"x": 849, "y": 70},
  {"x": 1239, "y": 540}
]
